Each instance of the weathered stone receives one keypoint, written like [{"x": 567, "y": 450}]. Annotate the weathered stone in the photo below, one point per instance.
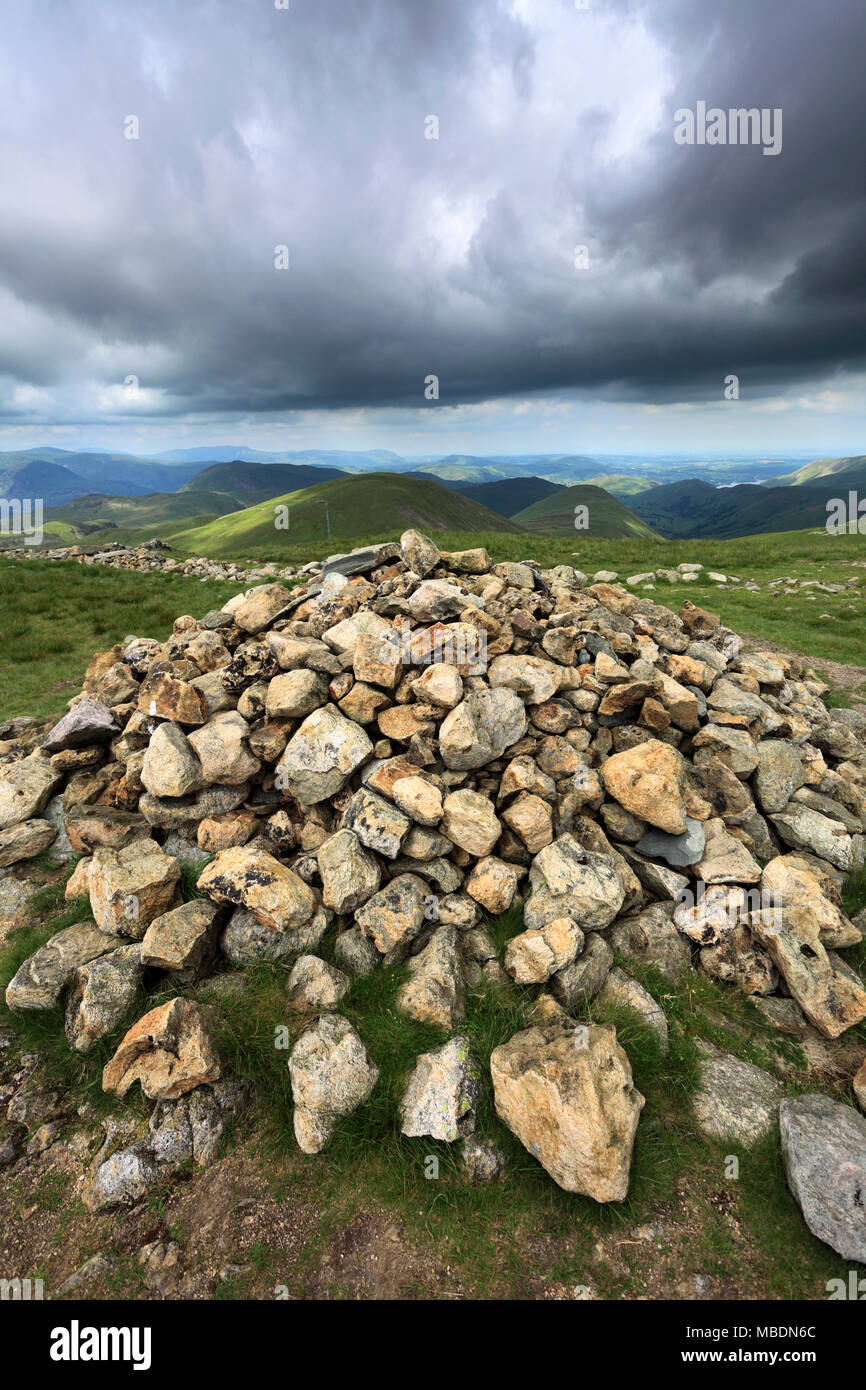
[
  {"x": 580, "y": 981},
  {"x": 355, "y": 953},
  {"x": 442, "y": 1093},
  {"x": 90, "y": 721},
  {"x": 168, "y": 1050},
  {"x": 332, "y": 1075},
  {"x": 183, "y": 940},
  {"x": 583, "y": 885},
  {"x": 470, "y": 822},
  {"x": 350, "y": 875},
  {"x": 170, "y": 766},
  {"x": 440, "y": 684},
  {"x": 646, "y": 781},
  {"x": 725, "y": 859},
  {"x": 434, "y": 991},
  {"x": 163, "y": 697},
  {"x": 650, "y": 937},
  {"x": 420, "y": 800},
  {"x": 830, "y": 998},
  {"x": 377, "y": 823},
  {"x": 419, "y": 552},
  {"x": 251, "y": 878},
  {"x": 40, "y": 981},
  {"x": 261, "y": 607},
  {"x": 531, "y": 819},
  {"x": 531, "y": 677},
  {"x": 780, "y": 772},
  {"x": 824, "y": 1152},
  {"x": 533, "y": 956},
  {"x": 567, "y": 1094},
  {"x": 25, "y": 841},
  {"x": 131, "y": 887},
  {"x": 103, "y": 992},
  {"x": 26, "y": 787},
  {"x": 222, "y": 750},
  {"x": 493, "y": 883},
  {"x": 322, "y": 755},
  {"x": 393, "y": 917},
  {"x": 481, "y": 727},
  {"x": 806, "y": 829},
  {"x": 314, "y": 985},
  {"x": 622, "y": 991},
  {"x": 296, "y": 694}
]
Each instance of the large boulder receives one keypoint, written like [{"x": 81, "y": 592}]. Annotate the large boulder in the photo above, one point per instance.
[
  {"x": 322, "y": 755},
  {"x": 824, "y": 1152},
  {"x": 567, "y": 1094},
  {"x": 169, "y": 1050},
  {"x": 130, "y": 887},
  {"x": 249, "y": 877},
  {"x": 332, "y": 1074}
]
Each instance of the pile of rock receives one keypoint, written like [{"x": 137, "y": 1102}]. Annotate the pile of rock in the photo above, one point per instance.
[
  {"x": 156, "y": 556},
  {"x": 412, "y": 743}
]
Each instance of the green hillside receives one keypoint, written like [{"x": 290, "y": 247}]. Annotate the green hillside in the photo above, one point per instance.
[
  {"x": 508, "y": 496},
  {"x": 623, "y": 484},
  {"x": 695, "y": 508},
  {"x": 357, "y": 507},
  {"x": 818, "y": 469},
  {"x": 250, "y": 482},
  {"x": 608, "y": 517}
]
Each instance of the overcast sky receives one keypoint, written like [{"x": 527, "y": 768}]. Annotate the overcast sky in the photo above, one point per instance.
[{"x": 154, "y": 258}]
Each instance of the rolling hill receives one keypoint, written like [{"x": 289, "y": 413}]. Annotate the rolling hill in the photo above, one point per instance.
[
  {"x": 508, "y": 496},
  {"x": 608, "y": 517},
  {"x": 355, "y": 507},
  {"x": 212, "y": 493},
  {"x": 818, "y": 470},
  {"x": 623, "y": 484},
  {"x": 250, "y": 482},
  {"x": 694, "y": 508}
]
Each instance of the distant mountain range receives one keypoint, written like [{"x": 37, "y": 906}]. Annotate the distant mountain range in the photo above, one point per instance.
[
  {"x": 694, "y": 509},
  {"x": 87, "y": 493}
]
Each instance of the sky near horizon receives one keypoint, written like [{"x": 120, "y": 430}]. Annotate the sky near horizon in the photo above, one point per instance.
[{"x": 230, "y": 221}]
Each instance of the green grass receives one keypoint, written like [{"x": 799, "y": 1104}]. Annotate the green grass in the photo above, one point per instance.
[
  {"x": 356, "y": 506},
  {"x": 55, "y": 614}
]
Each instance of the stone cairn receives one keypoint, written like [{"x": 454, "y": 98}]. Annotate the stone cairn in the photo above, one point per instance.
[{"x": 412, "y": 742}]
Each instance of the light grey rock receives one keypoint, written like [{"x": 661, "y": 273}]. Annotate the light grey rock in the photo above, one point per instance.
[
  {"x": 102, "y": 994},
  {"x": 332, "y": 1075},
  {"x": 735, "y": 1101},
  {"x": 322, "y": 755},
  {"x": 583, "y": 978},
  {"x": 621, "y": 990},
  {"x": 824, "y": 1152},
  {"x": 41, "y": 980},
  {"x": 313, "y": 984},
  {"x": 350, "y": 874},
  {"x": 355, "y": 953},
  {"x": 677, "y": 850},
  {"x": 442, "y": 1093}
]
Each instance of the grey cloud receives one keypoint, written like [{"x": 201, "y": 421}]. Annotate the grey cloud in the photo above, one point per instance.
[{"x": 260, "y": 127}]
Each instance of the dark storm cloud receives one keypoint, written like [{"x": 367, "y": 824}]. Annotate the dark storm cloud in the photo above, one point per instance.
[{"x": 409, "y": 257}]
